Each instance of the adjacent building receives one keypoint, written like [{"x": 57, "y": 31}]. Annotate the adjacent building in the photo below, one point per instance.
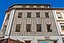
[{"x": 34, "y": 23}]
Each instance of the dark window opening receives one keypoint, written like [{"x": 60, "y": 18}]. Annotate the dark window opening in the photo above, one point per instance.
[
  {"x": 27, "y": 41},
  {"x": 19, "y": 14},
  {"x": 18, "y": 27},
  {"x": 47, "y": 14},
  {"x": 48, "y": 28},
  {"x": 28, "y": 27},
  {"x": 38, "y": 27},
  {"x": 29, "y": 15},
  {"x": 38, "y": 14}
]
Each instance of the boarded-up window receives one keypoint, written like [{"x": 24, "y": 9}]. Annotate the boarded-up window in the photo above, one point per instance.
[
  {"x": 19, "y": 14},
  {"x": 38, "y": 27},
  {"x": 18, "y": 27},
  {"x": 48, "y": 28},
  {"x": 46, "y": 14},
  {"x": 28, "y": 14},
  {"x": 27, "y": 41},
  {"x": 38, "y": 14},
  {"x": 28, "y": 27}
]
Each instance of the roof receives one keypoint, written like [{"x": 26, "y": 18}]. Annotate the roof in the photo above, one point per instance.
[
  {"x": 31, "y": 4},
  {"x": 35, "y": 9}
]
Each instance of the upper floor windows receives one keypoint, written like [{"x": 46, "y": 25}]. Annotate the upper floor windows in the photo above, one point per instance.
[
  {"x": 8, "y": 16},
  {"x": 18, "y": 27},
  {"x": 62, "y": 26},
  {"x": 38, "y": 26},
  {"x": 59, "y": 14},
  {"x": 28, "y": 14},
  {"x": 38, "y": 14},
  {"x": 27, "y": 41},
  {"x": 19, "y": 14},
  {"x": 49, "y": 28},
  {"x": 28, "y": 27},
  {"x": 46, "y": 14}
]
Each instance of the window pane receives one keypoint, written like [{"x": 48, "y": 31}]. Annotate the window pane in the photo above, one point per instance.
[
  {"x": 46, "y": 14},
  {"x": 38, "y": 14},
  {"x": 28, "y": 27},
  {"x": 19, "y": 14},
  {"x": 48, "y": 28},
  {"x": 38, "y": 27},
  {"x": 28, "y": 14},
  {"x": 18, "y": 27}
]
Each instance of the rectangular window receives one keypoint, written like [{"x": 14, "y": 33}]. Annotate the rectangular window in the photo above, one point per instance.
[
  {"x": 19, "y": 14},
  {"x": 28, "y": 41},
  {"x": 18, "y": 27},
  {"x": 28, "y": 14},
  {"x": 48, "y": 28},
  {"x": 62, "y": 26},
  {"x": 38, "y": 14},
  {"x": 59, "y": 14},
  {"x": 28, "y": 27},
  {"x": 46, "y": 14},
  {"x": 38, "y": 27}
]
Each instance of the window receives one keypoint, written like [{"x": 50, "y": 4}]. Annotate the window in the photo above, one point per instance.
[
  {"x": 62, "y": 26},
  {"x": 28, "y": 14},
  {"x": 38, "y": 14},
  {"x": 18, "y": 27},
  {"x": 48, "y": 28},
  {"x": 8, "y": 16},
  {"x": 59, "y": 15},
  {"x": 55, "y": 41},
  {"x": 19, "y": 14},
  {"x": 27, "y": 41},
  {"x": 46, "y": 14},
  {"x": 38, "y": 27},
  {"x": 28, "y": 27}
]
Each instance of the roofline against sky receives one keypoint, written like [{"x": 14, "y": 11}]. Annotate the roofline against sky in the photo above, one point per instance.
[{"x": 31, "y": 4}]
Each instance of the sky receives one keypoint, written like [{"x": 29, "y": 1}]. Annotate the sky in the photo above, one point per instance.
[{"x": 4, "y": 4}]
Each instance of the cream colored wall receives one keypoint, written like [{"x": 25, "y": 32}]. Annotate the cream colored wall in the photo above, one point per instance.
[
  {"x": 33, "y": 21},
  {"x": 58, "y": 21}
]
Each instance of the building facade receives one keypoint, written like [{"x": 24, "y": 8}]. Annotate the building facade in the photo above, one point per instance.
[{"x": 34, "y": 23}]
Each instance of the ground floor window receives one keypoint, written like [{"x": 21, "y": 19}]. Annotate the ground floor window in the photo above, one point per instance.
[{"x": 27, "y": 41}]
